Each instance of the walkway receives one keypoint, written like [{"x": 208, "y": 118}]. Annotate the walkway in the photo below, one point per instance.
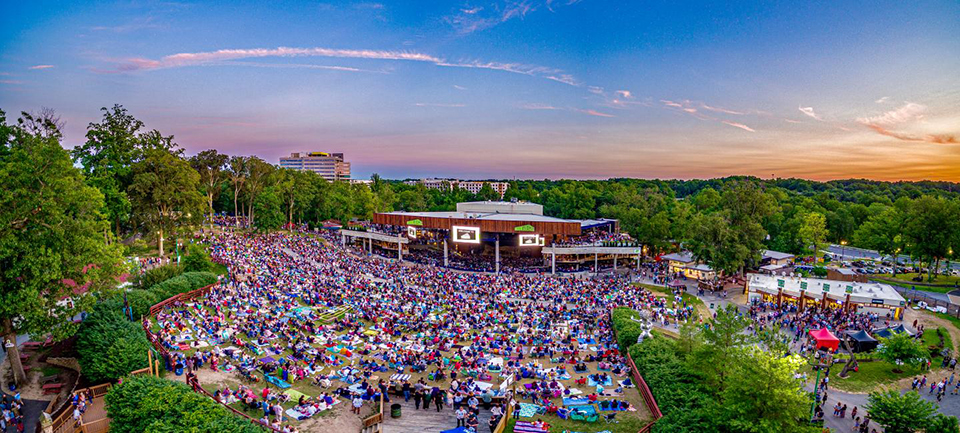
[{"x": 424, "y": 421}]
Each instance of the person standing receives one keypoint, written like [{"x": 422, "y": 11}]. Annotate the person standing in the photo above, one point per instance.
[
  {"x": 417, "y": 395},
  {"x": 438, "y": 401},
  {"x": 461, "y": 417}
]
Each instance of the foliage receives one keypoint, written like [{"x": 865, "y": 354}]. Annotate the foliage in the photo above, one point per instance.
[
  {"x": 715, "y": 379},
  {"x": 267, "y": 206},
  {"x": 157, "y": 275},
  {"x": 627, "y": 329},
  {"x": 53, "y": 237},
  {"x": 197, "y": 259},
  {"x": 905, "y": 413},
  {"x": 150, "y": 404},
  {"x": 902, "y": 348},
  {"x": 109, "y": 345},
  {"x": 164, "y": 193},
  {"x": 813, "y": 231},
  {"x": 210, "y": 164},
  {"x": 183, "y": 283}
]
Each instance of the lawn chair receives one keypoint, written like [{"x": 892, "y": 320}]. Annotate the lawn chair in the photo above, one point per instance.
[{"x": 611, "y": 418}]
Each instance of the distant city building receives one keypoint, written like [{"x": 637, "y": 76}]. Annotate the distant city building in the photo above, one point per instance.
[
  {"x": 361, "y": 181},
  {"x": 330, "y": 166},
  {"x": 469, "y": 185}
]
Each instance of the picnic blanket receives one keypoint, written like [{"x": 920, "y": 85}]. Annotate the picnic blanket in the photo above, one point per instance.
[
  {"x": 528, "y": 410},
  {"x": 568, "y": 401},
  {"x": 592, "y": 382},
  {"x": 294, "y": 394},
  {"x": 526, "y": 427},
  {"x": 399, "y": 377},
  {"x": 280, "y": 383}
]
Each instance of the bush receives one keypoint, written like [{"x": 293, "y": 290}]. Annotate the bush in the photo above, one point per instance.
[
  {"x": 109, "y": 345},
  {"x": 141, "y": 301},
  {"x": 157, "y": 275},
  {"x": 182, "y": 284},
  {"x": 150, "y": 404},
  {"x": 627, "y": 330},
  {"x": 197, "y": 259},
  {"x": 683, "y": 398}
]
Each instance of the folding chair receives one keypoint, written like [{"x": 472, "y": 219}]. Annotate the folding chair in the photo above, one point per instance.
[{"x": 611, "y": 418}]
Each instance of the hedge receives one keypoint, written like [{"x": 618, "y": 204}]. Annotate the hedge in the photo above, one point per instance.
[
  {"x": 109, "y": 345},
  {"x": 197, "y": 259},
  {"x": 686, "y": 403},
  {"x": 157, "y": 275},
  {"x": 627, "y": 329},
  {"x": 183, "y": 283},
  {"x": 150, "y": 404}
]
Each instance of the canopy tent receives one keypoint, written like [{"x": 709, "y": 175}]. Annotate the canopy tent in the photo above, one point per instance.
[
  {"x": 860, "y": 341},
  {"x": 825, "y": 339},
  {"x": 888, "y": 332}
]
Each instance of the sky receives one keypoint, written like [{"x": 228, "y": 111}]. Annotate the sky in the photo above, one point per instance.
[{"x": 588, "y": 89}]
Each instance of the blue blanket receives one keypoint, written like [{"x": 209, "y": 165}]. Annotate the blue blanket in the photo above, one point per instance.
[{"x": 569, "y": 401}]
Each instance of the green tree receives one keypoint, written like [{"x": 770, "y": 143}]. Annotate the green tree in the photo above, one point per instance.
[
  {"x": 487, "y": 193},
  {"x": 110, "y": 346},
  {"x": 165, "y": 194},
  {"x": 714, "y": 241},
  {"x": 884, "y": 233},
  {"x": 237, "y": 173},
  {"x": 268, "y": 207},
  {"x": 898, "y": 413},
  {"x": 764, "y": 394},
  {"x": 51, "y": 240},
  {"x": 107, "y": 157},
  {"x": 813, "y": 231},
  {"x": 258, "y": 174},
  {"x": 902, "y": 348},
  {"x": 211, "y": 165},
  {"x": 941, "y": 423},
  {"x": 933, "y": 224},
  {"x": 197, "y": 259}
]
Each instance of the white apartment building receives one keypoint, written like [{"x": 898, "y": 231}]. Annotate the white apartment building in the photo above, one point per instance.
[
  {"x": 469, "y": 185},
  {"x": 330, "y": 166}
]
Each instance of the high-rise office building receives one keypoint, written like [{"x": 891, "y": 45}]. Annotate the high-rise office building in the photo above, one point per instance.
[{"x": 330, "y": 166}]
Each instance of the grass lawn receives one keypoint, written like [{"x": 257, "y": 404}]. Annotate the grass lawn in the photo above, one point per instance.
[
  {"x": 955, "y": 321},
  {"x": 688, "y": 298},
  {"x": 870, "y": 376},
  {"x": 624, "y": 424},
  {"x": 940, "y": 284}
]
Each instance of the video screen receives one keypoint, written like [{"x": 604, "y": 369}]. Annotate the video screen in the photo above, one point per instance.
[{"x": 470, "y": 235}]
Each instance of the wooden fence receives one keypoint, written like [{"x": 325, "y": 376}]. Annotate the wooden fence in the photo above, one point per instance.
[
  {"x": 372, "y": 423},
  {"x": 193, "y": 382},
  {"x": 502, "y": 425},
  {"x": 642, "y": 387}
]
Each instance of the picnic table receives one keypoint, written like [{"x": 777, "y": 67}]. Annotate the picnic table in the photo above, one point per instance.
[{"x": 52, "y": 388}]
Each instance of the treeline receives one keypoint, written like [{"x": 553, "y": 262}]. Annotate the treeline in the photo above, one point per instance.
[{"x": 150, "y": 187}]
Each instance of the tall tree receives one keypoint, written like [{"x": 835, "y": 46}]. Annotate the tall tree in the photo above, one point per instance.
[
  {"x": 165, "y": 194},
  {"x": 898, "y": 413},
  {"x": 51, "y": 238},
  {"x": 883, "y": 232},
  {"x": 813, "y": 232},
  {"x": 112, "y": 147},
  {"x": 931, "y": 230},
  {"x": 258, "y": 171},
  {"x": 210, "y": 164},
  {"x": 238, "y": 175}
]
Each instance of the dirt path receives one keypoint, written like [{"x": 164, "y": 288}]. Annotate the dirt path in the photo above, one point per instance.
[{"x": 931, "y": 322}]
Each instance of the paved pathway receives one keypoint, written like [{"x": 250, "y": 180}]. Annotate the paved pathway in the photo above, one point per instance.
[{"x": 424, "y": 421}]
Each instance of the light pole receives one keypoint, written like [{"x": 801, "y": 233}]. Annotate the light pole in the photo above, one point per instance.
[{"x": 843, "y": 246}]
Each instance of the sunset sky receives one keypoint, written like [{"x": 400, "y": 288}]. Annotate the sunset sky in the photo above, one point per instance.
[{"x": 504, "y": 89}]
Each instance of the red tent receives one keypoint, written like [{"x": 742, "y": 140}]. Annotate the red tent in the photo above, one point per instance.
[{"x": 825, "y": 338}]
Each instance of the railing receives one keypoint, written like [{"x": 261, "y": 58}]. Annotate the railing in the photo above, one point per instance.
[
  {"x": 193, "y": 382},
  {"x": 502, "y": 425},
  {"x": 642, "y": 387},
  {"x": 375, "y": 419}
]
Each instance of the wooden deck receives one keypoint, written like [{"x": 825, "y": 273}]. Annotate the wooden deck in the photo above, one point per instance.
[{"x": 424, "y": 421}]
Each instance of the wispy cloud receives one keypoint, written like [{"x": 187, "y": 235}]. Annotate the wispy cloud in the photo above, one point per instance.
[
  {"x": 596, "y": 113},
  {"x": 134, "y": 25},
  {"x": 210, "y": 57},
  {"x": 35, "y": 67},
  {"x": 432, "y": 104},
  {"x": 473, "y": 19},
  {"x": 459, "y": 87},
  {"x": 809, "y": 112},
  {"x": 720, "y": 110},
  {"x": 11, "y": 82},
  {"x": 909, "y": 113},
  {"x": 738, "y": 125},
  {"x": 539, "y": 106},
  {"x": 297, "y": 66},
  {"x": 882, "y": 100}
]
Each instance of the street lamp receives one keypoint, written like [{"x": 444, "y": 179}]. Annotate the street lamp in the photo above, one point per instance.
[{"x": 843, "y": 245}]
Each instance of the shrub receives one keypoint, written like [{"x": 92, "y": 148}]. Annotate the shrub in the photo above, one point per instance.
[
  {"x": 183, "y": 283},
  {"x": 197, "y": 259},
  {"x": 109, "y": 345},
  {"x": 150, "y": 404},
  {"x": 157, "y": 275},
  {"x": 627, "y": 329},
  {"x": 141, "y": 301}
]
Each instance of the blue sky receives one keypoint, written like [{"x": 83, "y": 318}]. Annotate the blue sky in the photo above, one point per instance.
[{"x": 503, "y": 89}]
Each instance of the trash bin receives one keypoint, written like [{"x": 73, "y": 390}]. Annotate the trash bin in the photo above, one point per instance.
[{"x": 395, "y": 410}]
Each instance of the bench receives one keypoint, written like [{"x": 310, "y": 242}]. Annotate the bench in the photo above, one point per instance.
[
  {"x": 48, "y": 379},
  {"x": 52, "y": 388}
]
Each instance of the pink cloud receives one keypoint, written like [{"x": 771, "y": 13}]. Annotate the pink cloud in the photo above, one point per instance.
[
  {"x": 738, "y": 125},
  {"x": 41, "y": 67}
]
